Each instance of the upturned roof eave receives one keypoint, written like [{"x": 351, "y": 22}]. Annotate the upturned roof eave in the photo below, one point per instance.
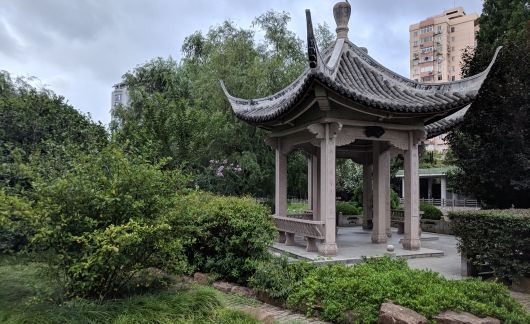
[{"x": 412, "y": 97}]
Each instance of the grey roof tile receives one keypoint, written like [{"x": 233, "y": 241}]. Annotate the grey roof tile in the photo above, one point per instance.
[{"x": 352, "y": 73}]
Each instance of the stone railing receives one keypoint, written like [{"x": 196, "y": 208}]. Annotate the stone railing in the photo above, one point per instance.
[
  {"x": 465, "y": 203},
  {"x": 300, "y": 224}
]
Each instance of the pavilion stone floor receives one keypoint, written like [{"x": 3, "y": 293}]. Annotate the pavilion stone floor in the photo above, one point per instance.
[{"x": 438, "y": 252}]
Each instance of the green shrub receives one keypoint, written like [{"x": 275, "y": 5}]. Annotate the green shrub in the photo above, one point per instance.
[
  {"x": 498, "y": 238},
  {"x": 278, "y": 277},
  {"x": 394, "y": 200},
  {"x": 102, "y": 223},
  {"x": 223, "y": 235},
  {"x": 339, "y": 292},
  {"x": 430, "y": 212},
  {"x": 347, "y": 208},
  {"x": 17, "y": 219}
]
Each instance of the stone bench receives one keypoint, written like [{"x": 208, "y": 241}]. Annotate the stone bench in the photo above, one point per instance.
[
  {"x": 397, "y": 219},
  {"x": 300, "y": 225}
]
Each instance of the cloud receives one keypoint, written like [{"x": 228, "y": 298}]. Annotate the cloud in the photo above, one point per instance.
[{"x": 80, "y": 48}]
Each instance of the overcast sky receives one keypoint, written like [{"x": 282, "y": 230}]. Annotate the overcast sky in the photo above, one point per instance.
[{"x": 80, "y": 48}]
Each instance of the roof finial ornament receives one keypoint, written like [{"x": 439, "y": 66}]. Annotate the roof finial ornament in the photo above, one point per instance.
[
  {"x": 342, "y": 12},
  {"x": 312, "y": 50}
]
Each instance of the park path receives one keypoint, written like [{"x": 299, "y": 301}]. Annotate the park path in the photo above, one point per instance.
[
  {"x": 523, "y": 298},
  {"x": 281, "y": 316}
]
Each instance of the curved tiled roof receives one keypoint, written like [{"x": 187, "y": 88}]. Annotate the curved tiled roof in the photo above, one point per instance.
[
  {"x": 444, "y": 125},
  {"x": 351, "y": 72}
]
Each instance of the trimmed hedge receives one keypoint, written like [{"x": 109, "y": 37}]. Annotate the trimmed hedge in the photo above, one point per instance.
[
  {"x": 347, "y": 208},
  {"x": 498, "y": 238},
  {"x": 430, "y": 212}
]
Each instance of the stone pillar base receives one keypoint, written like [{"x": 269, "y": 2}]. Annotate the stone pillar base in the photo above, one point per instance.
[
  {"x": 367, "y": 225},
  {"x": 311, "y": 245},
  {"x": 289, "y": 239},
  {"x": 327, "y": 248},
  {"x": 411, "y": 244},
  {"x": 466, "y": 268},
  {"x": 281, "y": 237},
  {"x": 379, "y": 238}
]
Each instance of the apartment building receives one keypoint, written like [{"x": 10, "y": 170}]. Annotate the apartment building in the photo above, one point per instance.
[
  {"x": 436, "y": 47},
  {"x": 119, "y": 95},
  {"x": 437, "y": 44}
]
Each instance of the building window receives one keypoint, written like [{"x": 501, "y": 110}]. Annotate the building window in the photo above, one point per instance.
[
  {"x": 452, "y": 48},
  {"x": 452, "y": 29},
  {"x": 452, "y": 58},
  {"x": 117, "y": 97},
  {"x": 425, "y": 39},
  {"x": 415, "y": 33},
  {"x": 452, "y": 68},
  {"x": 427, "y": 59},
  {"x": 439, "y": 78},
  {"x": 426, "y": 50},
  {"x": 416, "y": 43},
  {"x": 439, "y": 28},
  {"x": 452, "y": 38},
  {"x": 452, "y": 78},
  {"x": 426, "y": 79},
  {"x": 426, "y": 29},
  {"x": 426, "y": 68}
]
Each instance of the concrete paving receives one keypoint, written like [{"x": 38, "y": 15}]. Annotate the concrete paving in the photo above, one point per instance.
[
  {"x": 355, "y": 243},
  {"x": 447, "y": 265}
]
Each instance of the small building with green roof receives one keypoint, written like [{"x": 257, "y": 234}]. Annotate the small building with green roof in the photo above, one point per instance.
[{"x": 433, "y": 183}]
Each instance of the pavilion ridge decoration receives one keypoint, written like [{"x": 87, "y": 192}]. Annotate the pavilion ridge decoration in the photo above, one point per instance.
[{"x": 347, "y": 105}]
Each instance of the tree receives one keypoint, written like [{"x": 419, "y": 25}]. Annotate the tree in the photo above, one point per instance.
[
  {"x": 491, "y": 147},
  {"x": 40, "y": 133},
  {"x": 501, "y": 21},
  {"x": 178, "y": 109}
]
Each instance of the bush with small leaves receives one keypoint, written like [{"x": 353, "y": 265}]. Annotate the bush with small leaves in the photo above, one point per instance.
[
  {"x": 102, "y": 223},
  {"x": 339, "y": 292},
  {"x": 17, "y": 223},
  {"x": 223, "y": 235},
  {"x": 278, "y": 277},
  {"x": 347, "y": 208},
  {"x": 430, "y": 212}
]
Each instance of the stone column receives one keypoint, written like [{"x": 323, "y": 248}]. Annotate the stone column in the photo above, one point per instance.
[
  {"x": 443, "y": 190},
  {"x": 388, "y": 214},
  {"x": 280, "y": 196},
  {"x": 315, "y": 170},
  {"x": 412, "y": 197},
  {"x": 429, "y": 188},
  {"x": 381, "y": 160},
  {"x": 309, "y": 182},
  {"x": 327, "y": 192},
  {"x": 367, "y": 196}
]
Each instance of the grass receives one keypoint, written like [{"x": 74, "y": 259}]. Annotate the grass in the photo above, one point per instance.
[
  {"x": 297, "y": 208},
  {"x": 27, "y": 296}
]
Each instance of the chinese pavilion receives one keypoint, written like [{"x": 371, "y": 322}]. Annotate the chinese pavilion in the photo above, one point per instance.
[{"x": 347, "y": 105}]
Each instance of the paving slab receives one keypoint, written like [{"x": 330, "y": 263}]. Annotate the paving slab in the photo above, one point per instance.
[{"x": 354, "y": 244}]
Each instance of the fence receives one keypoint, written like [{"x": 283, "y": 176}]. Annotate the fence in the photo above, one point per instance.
[{"x": 470, "y": 203}]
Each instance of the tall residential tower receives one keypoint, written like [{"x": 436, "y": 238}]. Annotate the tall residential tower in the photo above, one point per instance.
[
  {"x": 436, "y": 47},
  {"x": 437, "y": 44}
]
